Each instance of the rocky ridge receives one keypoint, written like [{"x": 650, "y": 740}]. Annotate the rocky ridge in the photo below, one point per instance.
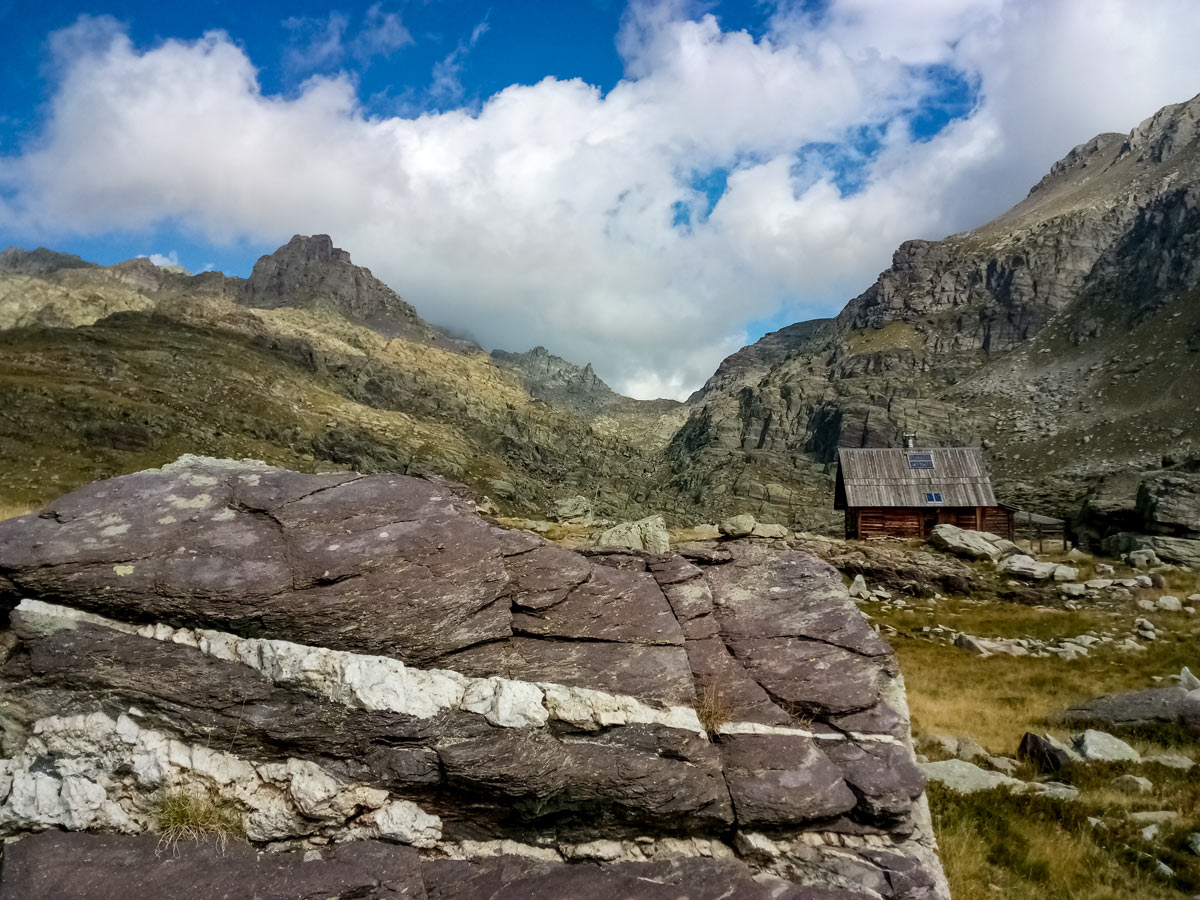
[
  {"x": 344, "y": 660},
  {"x": 111, "y": 369}
]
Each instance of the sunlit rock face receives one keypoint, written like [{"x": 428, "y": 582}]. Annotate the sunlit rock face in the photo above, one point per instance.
[{"x": 370, "y": 677}]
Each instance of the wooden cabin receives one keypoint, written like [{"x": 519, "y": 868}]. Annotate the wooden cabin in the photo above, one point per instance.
[{"x": 904, "y": 492}]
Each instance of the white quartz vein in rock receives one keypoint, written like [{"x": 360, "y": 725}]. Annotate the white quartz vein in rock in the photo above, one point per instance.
[
  {"x": 91, "y": 771},
  {"x": 382, "y": 683},
  {"x": 759, "y": 728}
]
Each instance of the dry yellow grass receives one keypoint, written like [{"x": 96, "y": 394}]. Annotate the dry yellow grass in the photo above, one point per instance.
[
  {"x": 1028, "y": 848},
  {"x": 12, "y": 510},
  {"x": 998, "y": 699},
  {"x": 712, "y": 709},
  {"x": 1025, "y": 848}
]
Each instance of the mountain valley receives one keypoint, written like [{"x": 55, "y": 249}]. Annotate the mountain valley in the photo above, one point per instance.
[{"x": 1063, "y": 336}]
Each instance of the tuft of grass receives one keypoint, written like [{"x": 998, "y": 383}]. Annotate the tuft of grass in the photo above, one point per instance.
[
  {"x": 183, "y": 816},
  {"x": 712, "y": 709}
]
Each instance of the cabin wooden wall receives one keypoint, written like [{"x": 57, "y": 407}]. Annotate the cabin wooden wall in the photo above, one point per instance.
[
  {"x": 916, "y": 522},
  {"x": 890, "y": 521},
  {"x": 999, "y": 520}
]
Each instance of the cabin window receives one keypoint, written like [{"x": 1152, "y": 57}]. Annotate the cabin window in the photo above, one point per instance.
[
  {"x": 933, "y": 497},
  {"x": 920, "y": 460}
]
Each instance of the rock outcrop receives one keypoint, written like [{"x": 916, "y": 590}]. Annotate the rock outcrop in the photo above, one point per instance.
[
  {"x": 1142, "y": 509},
  {"x": 362, "y": 669},
  {"x": 1174, "y": 707},
  {"x": 309, "y": 271}
]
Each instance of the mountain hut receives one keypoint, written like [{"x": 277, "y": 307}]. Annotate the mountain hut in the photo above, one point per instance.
[{"x": 904, "y": 492}]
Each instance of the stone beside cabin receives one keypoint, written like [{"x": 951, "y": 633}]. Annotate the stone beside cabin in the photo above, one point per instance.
[{"x": 905, "y": 492}]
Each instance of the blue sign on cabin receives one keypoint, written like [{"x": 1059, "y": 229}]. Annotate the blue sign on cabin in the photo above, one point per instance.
[{"x": 933, "y": 498}]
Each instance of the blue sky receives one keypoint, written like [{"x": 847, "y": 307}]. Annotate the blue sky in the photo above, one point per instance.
[
  {"x": 514, "y": 43},
  {"x": 643, "y": 185},
  {"x": 493, "y": 46}
]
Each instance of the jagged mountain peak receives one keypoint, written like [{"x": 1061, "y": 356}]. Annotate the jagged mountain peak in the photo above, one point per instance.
[
  {"x": 310, "y": 272},
  {"x": 312, "y": 248}
]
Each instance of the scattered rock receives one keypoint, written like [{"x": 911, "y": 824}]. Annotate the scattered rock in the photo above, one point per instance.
[
  {"x": 764, "y": 530},
  {"x": 1133, "y": 784},
  {"x": 965, "y": 778},
  {"x": 859, "y": 589},
  {"x": 1170, "y": 760},
  {"x": 1168, "y": 603},
  {"x": 943, "y": 744},
  {"x": 1188, "y": 681},
  {"x": 1003, "y": 764},
  {"x": 1055, "y": 790},
  {"x": 970, "y": 749},
  {"x": 575, "y": 510},
  {"x": 1154, "y": 817},
  {"x": 738, "y": 526},
  {"x": 1101, "y": 746},
  {"x": 1024, "y": 566},
  {"x": 1136, "y": 709},
  {"x": 648, "y": 534},
  {"x": 1046, "y": 753},
  {"x": 971, "y": 645},
  {"x": 1142, "y": 559},
  {"x": 968, "y": 544}
]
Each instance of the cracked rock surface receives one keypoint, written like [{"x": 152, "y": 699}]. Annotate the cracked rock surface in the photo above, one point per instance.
[{"x": 405, "y": 700}]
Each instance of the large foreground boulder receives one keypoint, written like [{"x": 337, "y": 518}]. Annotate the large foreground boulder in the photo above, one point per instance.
[
  {"x": 333, "y": 661},
  {"x": 110, "y": 867}
]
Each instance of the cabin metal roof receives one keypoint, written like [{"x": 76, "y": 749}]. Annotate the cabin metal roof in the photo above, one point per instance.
[{"x": 883, "y": 477}]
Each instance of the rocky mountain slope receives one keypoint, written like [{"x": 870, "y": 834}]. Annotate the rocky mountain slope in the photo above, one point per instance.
[
  {"x": 362, "y": 674},
  {"x": 1065, "y": 335}
]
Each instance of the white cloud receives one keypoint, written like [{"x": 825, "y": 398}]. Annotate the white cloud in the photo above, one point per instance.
[
  {"x": 315, "y": 43},
  {"x": 382, "y": 34},
  {"x": 545, "y": 216},
  {"x": 320, "y": 44},
  {"x": 447, "y": 84},
  {"x": 160, "y": 259}
]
